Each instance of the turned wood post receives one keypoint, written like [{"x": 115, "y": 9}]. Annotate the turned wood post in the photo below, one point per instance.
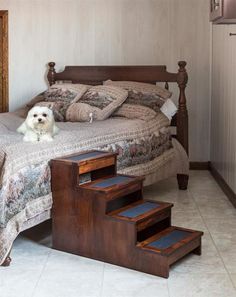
[
  {"x": 182, "y": 115},
  {"x": 51, "y": 73}
]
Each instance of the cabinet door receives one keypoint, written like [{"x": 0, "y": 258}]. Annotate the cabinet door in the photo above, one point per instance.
[{"x": 223, "y": 104}]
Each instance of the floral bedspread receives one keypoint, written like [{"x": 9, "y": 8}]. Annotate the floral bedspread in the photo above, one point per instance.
[{"x": 34, "y": 181}]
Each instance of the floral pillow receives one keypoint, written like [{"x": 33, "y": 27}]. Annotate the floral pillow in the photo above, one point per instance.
[
  {"x": 144, "y": 94},
  {"x": 134, "y": 111},
  {"x": 68, "y": 93},
  {"x": 98, "y": 103},
  {"x": 140, "y": 87}
]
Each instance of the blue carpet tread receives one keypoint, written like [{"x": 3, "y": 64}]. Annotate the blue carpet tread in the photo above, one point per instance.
[
  {"x": 170, "y": 239},
  {"x": 83, "y": 157},
  {"x": 139, "y": 210},
  {"x": 112, "y": 181}
]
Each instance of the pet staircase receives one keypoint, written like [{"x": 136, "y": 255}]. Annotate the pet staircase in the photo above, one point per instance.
[{"x": 102, "y": 215}]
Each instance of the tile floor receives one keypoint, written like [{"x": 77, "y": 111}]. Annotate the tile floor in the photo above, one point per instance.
[{"x": 39, "y": 271}]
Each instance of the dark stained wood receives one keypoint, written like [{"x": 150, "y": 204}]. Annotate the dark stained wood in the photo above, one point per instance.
[
  {"x": 199, "y": 165},
  {"x": 95, "y": 75},
  {"x": 182, "y": 181},
  {"x": 86, "y": 221},
  {"x": 4, "y": 61}
]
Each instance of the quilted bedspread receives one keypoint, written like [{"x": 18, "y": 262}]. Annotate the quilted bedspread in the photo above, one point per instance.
[{"x": 25, "y": 189}]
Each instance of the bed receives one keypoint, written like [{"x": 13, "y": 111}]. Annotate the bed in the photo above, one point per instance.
[{"x": 25, "y": 192}]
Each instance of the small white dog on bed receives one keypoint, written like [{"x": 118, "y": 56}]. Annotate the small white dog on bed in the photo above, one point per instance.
[{"x": 39, "y": 125}]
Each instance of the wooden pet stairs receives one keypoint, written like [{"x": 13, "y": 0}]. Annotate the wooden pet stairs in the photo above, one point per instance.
[{"x": 102, "y": 215}]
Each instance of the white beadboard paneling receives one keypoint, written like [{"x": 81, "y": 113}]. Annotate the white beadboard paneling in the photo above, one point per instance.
[
  {"x": 105, "y": 32},
  {"x": 223, "y": 107}
]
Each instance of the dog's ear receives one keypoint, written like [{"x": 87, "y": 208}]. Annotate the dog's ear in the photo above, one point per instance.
[{"x": 22, "y": 129}]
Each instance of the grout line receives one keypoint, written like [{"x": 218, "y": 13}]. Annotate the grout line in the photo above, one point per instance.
[
  {"x": 40, "y": 276},
  {"x": 227, "y": 272}
]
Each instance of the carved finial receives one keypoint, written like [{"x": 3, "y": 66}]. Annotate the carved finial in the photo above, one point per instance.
[
  {"x": 51, "y": 73},
  {"x": 182, "y": 65}
]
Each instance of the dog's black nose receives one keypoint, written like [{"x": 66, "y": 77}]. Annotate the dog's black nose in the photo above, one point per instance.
[{"x": 39, "y": 120}]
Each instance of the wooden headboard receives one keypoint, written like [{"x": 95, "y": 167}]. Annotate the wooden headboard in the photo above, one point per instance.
[{"x": 95, "y": 75}]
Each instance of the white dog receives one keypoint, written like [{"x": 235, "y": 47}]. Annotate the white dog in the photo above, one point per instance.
[{"x": 39, "y": 125}]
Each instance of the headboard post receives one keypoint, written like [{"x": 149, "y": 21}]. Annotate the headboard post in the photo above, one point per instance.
[
  {"x": 51, "y": 73},
  {"x": 182, "y": 115}
]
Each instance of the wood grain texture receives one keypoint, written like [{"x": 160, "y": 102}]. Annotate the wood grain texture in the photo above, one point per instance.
[
  {"x": 107, "y": 234},
  {"x": 223, "y": 110},
  {"x": 111, "y": 32},
  {"x": 3, "y": 61}
]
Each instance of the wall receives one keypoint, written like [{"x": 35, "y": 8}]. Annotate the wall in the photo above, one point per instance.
[
  {"x": 223, "y": 123},
  {"x": 118, "y": 32}
]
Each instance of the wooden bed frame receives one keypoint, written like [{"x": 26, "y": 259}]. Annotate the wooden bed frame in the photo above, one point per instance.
[{"x": 95, "y": 75}]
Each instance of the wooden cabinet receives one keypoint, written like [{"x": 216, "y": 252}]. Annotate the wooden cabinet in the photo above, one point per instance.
[{"x": 223, "y": 11}]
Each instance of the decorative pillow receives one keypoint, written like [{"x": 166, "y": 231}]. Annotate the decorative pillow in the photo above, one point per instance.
[
  {"x": 145, "y": 99},
  {"x": 59, "y": 109},
  {"x": 139, "y": 87},
  {"x": 131, "y": 111},
  {"x": 98, "y": 103},
  {"x": 36, "y": 99},
  {"x": 69, "y": 93}
]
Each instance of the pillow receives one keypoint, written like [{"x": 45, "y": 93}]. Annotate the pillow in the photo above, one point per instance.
[
  {"x": 139, "y": 87},
  {"x": 98, "y": 103},
  {"x": 131, "y": 111},
  {"x": 69, "y": 93},
  {"x": 36, "y": 99},
  {"x": 145, "y": 99},
  {"x": 59, "y": 109},
  {"x": 62, "y": 92}
]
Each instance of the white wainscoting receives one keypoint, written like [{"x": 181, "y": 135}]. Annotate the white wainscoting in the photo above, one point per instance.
[
  {"x": 223, "y": 105},
  {"x": 105, "y": 32}
]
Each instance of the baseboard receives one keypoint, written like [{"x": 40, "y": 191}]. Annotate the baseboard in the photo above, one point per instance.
[
  {"x": 223, "y": 185},
  {"x": 199, "y": 165}
]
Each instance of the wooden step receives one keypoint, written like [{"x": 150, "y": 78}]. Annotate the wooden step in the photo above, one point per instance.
[
  {"x": 90, "y": 160},
  {"x": 112, "y": 183},
  {"x": 143, "y": 213},
  {"x": 173, "y": 243}
]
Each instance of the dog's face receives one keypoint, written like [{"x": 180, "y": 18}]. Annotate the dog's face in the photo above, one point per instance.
[{"x": 40, "y": 118}]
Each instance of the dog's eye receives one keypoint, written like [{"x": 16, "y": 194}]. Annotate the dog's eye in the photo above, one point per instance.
[
  {"x": 44, "y": 115},
  {"x": 35, "y": 115}
]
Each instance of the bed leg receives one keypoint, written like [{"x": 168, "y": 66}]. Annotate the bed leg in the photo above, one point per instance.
[
  {"x": 7, "y": 261},
  {"x": 182, "y": 181}
]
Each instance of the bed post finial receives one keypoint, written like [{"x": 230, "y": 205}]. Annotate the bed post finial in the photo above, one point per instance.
[
  {"x": 182, "y": 115},
  {"x": 51, "y": 73}
]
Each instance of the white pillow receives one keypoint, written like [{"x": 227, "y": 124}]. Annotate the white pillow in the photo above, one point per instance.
[{"x": 169, "y": 109}]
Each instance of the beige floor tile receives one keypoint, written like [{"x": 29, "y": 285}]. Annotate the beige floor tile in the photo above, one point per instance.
[
  {"x": 121, "y": 282},
  {"x": 226, "y": 245},
  {"x": 208, "y": 262},
  {"x": 221, "y": 225},
  {"x": 233, "y": 278},
  {"x": 201, "y": 285}
]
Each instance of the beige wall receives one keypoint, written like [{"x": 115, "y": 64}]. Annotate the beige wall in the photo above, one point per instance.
[
  {"x": 223, "y": 119},
  {"x": 113, "y": 32}
]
